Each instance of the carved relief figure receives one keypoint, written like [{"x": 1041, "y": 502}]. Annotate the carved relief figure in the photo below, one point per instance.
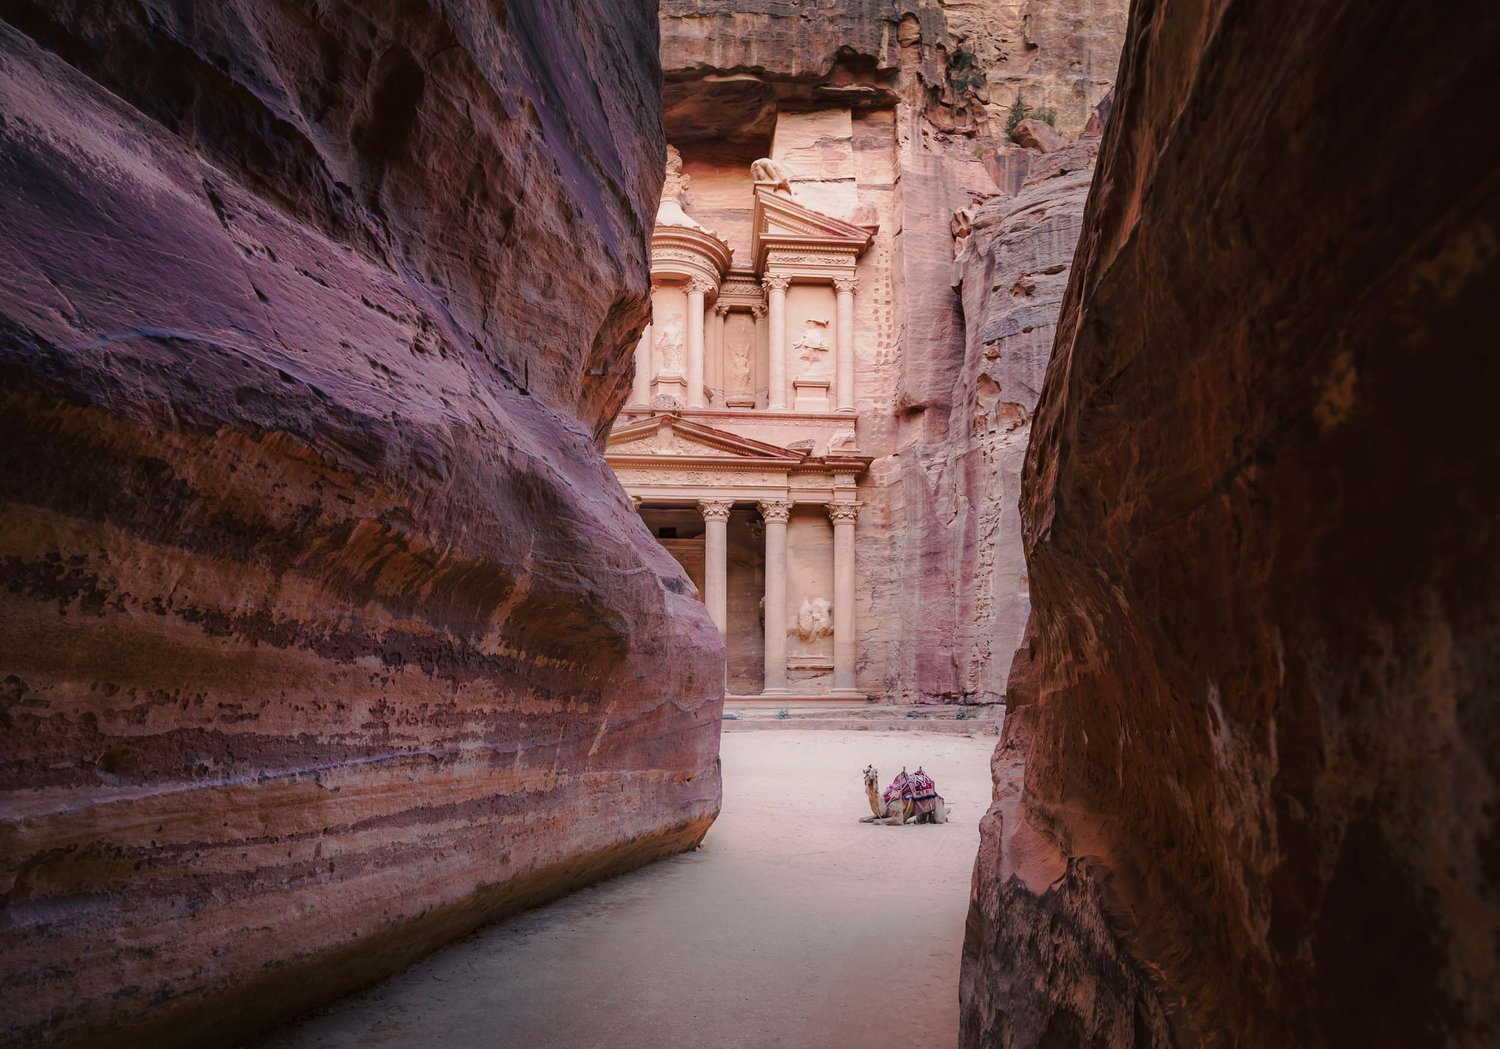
[
  {"x": 738, "y": 364},
  {"x": 669, "y": 345},
  {"x": 814, "y": 619},
  {"x": 812, "y": 346}
]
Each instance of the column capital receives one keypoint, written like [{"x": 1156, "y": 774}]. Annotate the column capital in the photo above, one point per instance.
[
  {"x": 776, "y": 510},
  {"x": 775, "y": 282},
  {"x": 758, "y": 311},
  {"x": 843, "y": 513},
  {"x": 845, "y": 285},
  {"x": 715, "y": 509},
  {"x": 701, "y": 285},
  {"x": 721, "y": 308}
]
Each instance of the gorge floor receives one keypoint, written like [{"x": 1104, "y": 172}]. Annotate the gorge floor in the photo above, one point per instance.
[{"x": 794, "y": 925}]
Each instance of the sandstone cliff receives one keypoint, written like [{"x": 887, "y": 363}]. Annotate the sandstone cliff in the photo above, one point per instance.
[
  {"x": 1260, "y": 765},
  {"x": 1013, "y": 268},
  {"x": 325, "y": 632},
  {"x": 942, "y": 576}
]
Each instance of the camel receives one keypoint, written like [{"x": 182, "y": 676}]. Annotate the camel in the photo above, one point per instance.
[{"x": 901, "y": 811}]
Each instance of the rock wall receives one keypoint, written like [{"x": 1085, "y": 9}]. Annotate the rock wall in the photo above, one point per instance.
[
  {"x": 1259, "y": 804},
  {"x": 325, "y": 633},
  {"x": 1012, "y": 265},
  {"x": 929, "y": 86}
]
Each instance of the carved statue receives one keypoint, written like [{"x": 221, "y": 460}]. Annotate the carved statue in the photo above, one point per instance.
[
  {"x": 674, "y": 195},
  {"x": 812, "y": 346},
  {"x": 769, "y": 171},
  {"x": 669, "y": 345},
  {"x": 676, "y": 182},
  {"x": 814, "y": 619}
]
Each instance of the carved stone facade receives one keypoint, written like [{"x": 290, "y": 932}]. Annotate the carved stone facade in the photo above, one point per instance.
[{"x": 740, "y": 444}]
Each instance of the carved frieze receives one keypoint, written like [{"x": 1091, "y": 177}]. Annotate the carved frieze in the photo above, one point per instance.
[{"x": 650, "y": 477}]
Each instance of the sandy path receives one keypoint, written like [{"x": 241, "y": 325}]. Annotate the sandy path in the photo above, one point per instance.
[{"x": 786, "y": 929}]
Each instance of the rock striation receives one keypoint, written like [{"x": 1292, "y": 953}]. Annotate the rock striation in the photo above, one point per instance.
[
  {"x": 325, "y": 632},
  {"x": 1248, "y": 796}
]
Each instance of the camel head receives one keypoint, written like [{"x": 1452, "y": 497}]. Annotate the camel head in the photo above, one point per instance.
[{"x": 872, "y": 778}]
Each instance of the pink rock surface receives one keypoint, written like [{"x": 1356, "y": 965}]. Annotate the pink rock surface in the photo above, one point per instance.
[
  {"x": 325, "y": 632},
  {"x": 1259, "y": 805},
  {"x": 941, "y": 574}
]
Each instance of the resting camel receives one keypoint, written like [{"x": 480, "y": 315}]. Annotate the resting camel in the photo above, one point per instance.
[{"x": 900, "y": 811}]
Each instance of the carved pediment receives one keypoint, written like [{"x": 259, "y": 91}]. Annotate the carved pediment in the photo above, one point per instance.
[
  {"x": 666, "y": 441},
  {"x": 667, "y": 436},
  {"x": 780, "y": 222}
]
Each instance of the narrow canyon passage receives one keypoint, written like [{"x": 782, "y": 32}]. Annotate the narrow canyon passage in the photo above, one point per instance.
[{"x": 794, "y": 925}]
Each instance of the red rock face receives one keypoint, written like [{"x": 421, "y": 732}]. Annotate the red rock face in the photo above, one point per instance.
[
  {"x": 1260, "y": 774},
  {"x": 325, "y": 632}
]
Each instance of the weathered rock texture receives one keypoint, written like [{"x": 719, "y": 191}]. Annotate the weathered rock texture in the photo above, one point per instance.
[
  {"x": 928, "y": 85},
  {"x": 325, "y": 632},
  {"x": 1013, "y": 267},
  {"x": 1260, "y": 768}
]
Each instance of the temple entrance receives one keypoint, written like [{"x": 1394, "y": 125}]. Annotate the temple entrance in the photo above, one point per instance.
[{"x": 681, "y": 530}]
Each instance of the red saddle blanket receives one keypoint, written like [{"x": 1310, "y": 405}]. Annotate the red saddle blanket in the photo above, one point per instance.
[{"x": 910, "y": 786}]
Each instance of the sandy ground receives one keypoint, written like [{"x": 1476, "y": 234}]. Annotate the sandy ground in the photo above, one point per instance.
[{"x": 794, "y": 925}]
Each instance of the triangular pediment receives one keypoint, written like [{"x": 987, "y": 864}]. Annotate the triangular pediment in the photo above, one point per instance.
[
  {"x": 670, "y": 436},
  {"x": 777, "y": 216}
]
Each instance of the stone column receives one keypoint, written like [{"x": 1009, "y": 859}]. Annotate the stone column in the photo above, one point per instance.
[
  {"x": 844, "y": 288},
  {"x": 696, "y": 291},
  {"x": 776, "y": 286},
  {"x": 843, "y": 516},
  {"x": 640, "y": 388},
  {"x": 716, "y": 560},
  {"x": 758, "y": 365},
  {"x": 721, "y": 318},
  {"x": 776, "y": 512}
]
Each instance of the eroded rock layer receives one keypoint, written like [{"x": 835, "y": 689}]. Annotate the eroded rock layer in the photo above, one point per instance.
[
  {"x": 325, "y": 632},
  {"x": 1260, "y": 759}
]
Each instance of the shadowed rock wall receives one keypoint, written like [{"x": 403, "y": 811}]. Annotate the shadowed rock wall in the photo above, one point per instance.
[
  {"x": 325, "y": 632},
  {"x": 1260, "y": 764}
]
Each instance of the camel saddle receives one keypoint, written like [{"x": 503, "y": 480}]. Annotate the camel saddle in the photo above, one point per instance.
[{"x": 916, "y": 787}]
